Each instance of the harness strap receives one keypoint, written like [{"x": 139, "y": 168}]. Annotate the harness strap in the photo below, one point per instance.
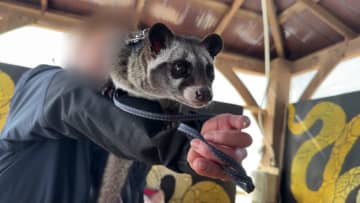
[{"x": 231, "y": 168}]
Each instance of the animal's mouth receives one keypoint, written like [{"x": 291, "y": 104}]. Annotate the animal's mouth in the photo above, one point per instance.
[
  {"x": 197, "y": 104},
  {"x": 192, "y": 104}
]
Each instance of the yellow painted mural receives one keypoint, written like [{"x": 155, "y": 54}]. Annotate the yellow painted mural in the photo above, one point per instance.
[
  {"x": 206, "y": 192},
  {"x": 185, "y": 190},
  {"x": 336, "y": 185},
  {"x": 6, "y": 91}
]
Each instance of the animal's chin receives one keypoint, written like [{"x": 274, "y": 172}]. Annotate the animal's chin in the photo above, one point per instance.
[
  {"x": 198, "y": 106},
  {"x": 192, "y": 104}
]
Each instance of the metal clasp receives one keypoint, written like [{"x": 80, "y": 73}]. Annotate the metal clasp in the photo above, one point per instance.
[{"x": 135, "y": 37}]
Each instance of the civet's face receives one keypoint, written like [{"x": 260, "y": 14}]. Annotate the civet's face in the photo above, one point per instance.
[{"x": 182, "y": 68}]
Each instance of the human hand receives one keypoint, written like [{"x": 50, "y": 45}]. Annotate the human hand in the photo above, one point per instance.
[{"x": 225, "y": 133}]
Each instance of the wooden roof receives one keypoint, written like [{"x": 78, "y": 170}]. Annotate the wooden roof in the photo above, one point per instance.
[
  {"x": 311, "y": 34},
  {"x": 298, "y": 28}
]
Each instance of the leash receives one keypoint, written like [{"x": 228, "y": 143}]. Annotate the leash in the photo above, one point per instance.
[{"x": 231, "y": 168}]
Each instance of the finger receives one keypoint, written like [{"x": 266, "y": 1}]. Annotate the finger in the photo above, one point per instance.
[
  {"x": 226, "y": 121},
  {"x": 192, "y": 155},
  {"x": 203, "y": 150},
  {"x": 233, "y": 138},
  {"x": 241, "y": 154},
  {"x": 208, "y": 168}
]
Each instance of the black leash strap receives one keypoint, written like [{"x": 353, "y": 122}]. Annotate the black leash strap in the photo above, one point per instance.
[{"x": 231, "y": 168}]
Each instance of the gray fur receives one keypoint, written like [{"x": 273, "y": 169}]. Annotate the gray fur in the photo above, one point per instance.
[
  {"x": 146, "y": 74},
  {"x": 113, "y": 179}
]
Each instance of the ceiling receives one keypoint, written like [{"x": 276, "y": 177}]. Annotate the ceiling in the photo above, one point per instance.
[{"x": 298, "y": 27}]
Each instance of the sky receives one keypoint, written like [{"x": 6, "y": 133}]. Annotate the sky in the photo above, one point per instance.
[{"x": 30, "y": 46}]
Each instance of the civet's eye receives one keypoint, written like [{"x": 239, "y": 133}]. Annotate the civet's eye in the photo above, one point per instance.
[
  {"x": 210, "y": 71},
  {"x": 181, "y": 69}
]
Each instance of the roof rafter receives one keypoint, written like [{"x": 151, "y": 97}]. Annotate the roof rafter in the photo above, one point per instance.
[
  {"x": 324, "y": 70},
  {"x": 224, "y": 22},
  {"x": 44, "y": 6},
  {"x": 242, "y": 63},
  {"x": 329, "y": 18},
  {"x": 139, "y": 8},
  {"x": 12, "y": 21},
  {"x": 348, "y": 48},
  {"x": 240, "y": 87},
  {"x": 221, "y": 7},
  {"x": 54, "y": 19},
  {"x": 275, "y": 28},
  {"x": 326, "y": 61},
  {"x": 291, "y": 11}
]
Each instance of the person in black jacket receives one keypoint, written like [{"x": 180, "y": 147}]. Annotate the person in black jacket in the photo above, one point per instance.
[{"x": 60, "y": 129}]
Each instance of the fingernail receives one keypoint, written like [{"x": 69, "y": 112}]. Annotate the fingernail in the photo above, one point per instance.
[
  {"x": 209, "y": 134},
  {"x": 240, "y": 154},
  {"x": 195, "y": 143},
  {"x": 246, "y": 121},
  {"x": 202, "y": 165}
]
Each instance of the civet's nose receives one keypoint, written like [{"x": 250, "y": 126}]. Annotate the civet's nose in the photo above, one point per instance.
[{"x": 203, "y": 94}]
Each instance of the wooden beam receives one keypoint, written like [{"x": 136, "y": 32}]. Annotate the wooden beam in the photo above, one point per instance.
[
  {"x": 327, "y": 64},
  {"x": 11, "y": 21},
  {"x": 237, "y": 83},
  {"x": 329, "y": 19},
  {"x": 320, "y": 76},
  {"x": 274, "y": 128},
  {"x": 275, "y": 117},
  {"x": 44, "y": 6},
  {"x": 291, "y": 11},
  {"x": 255, "y": 110},
  {"x": 228, "y": 16},
  {"x": 275, "y": 28},
  {"x": 139, "y": 9},
  {"x": 221, "y": 8},
  {"x": 242, "y": 63},
  {"x": 348, "y": 48},
  {"x": 58, "y": 20},
  {"x": 240, "y": 87}
]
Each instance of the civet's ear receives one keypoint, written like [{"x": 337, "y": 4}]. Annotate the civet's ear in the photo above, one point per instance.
[
  {"x": 213, "y": 44},
  {"x": 160, "y": 37}
]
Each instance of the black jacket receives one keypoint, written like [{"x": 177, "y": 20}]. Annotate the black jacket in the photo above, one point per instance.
[{"x": 49, "y": 145}]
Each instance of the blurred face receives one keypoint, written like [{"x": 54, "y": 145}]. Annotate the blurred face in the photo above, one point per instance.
[
  {"x": 90, "y": 51},
  {"x": 89, "y": 55}
]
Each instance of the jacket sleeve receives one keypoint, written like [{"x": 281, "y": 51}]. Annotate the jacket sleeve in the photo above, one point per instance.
[{"x": 76, "y": 110}]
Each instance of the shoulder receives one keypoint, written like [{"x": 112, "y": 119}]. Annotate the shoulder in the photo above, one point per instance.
[
  {"x": 40, "y": 73},
  {"x": 34, "y": 80},
  {"x": 27, "y": 102}
]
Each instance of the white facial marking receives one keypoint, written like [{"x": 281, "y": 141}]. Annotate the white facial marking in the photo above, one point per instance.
[
  {"x": 163, "y": 56},
  {"x": 190, "y": 97}
]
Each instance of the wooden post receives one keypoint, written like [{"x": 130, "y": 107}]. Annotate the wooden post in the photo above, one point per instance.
[
  {"x": 268, "y": 176},
  {"x": 275, "y": 117}
]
